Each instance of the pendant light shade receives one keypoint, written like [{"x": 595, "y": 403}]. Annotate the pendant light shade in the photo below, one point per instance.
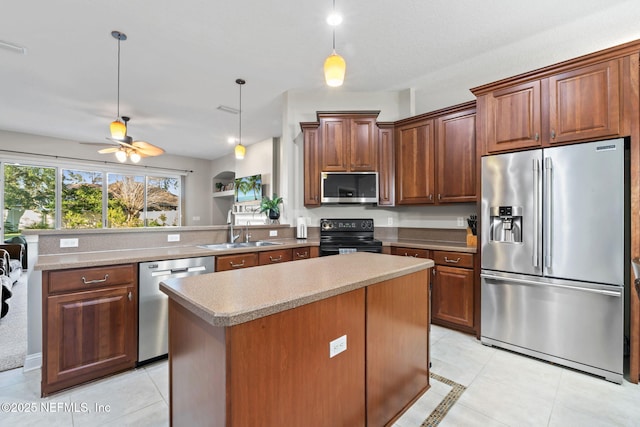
[
  {"x": 334, "y": 70},
  {"x": 240, "y": 149},
  {"x": 335, "y": 66},
  {"x": 118, "y": 129}
]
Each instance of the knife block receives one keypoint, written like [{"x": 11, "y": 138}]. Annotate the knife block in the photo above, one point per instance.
[{"x": 471, "y": 239}]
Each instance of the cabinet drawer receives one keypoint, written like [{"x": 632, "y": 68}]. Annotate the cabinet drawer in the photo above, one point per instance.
[
  {"x": 455, "y": 259},
  {"x": 274, "y": 257},
  {"x": 234, "y": 262},
  {"x": 305, "y": 252},
  {"x": 82, "y": 279},
  {"x": 416, "y": 253}
]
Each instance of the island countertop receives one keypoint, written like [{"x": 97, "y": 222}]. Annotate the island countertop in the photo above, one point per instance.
[{"x": 229, "y": 298}]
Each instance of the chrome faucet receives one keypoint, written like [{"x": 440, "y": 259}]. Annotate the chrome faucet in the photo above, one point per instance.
[
  {"x": 247, "y": 236},
  {"x": 230, "y": 221}
]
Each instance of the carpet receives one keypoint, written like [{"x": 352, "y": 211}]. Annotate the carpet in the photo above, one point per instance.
[
  {"x": 13, "y": 328},
  {"x": 441, "y": 410}
]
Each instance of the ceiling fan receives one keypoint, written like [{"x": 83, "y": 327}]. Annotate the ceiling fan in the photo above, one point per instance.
[{"x": 128, "y": 148}]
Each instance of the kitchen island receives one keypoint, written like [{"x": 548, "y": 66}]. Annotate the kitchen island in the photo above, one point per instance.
[{"x": 339, "y": 340}]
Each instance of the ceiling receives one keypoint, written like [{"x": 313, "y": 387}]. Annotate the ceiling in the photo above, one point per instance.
[{"x": 181, "y": 59}]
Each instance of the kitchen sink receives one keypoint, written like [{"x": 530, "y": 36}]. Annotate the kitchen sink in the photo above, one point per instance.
[{"x": 223, "y": 246}]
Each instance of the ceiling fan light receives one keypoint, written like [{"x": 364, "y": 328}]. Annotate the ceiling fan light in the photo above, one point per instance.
[
  {"x": 121, "y": 155},
  {"x": 135, "y": 157},
  {"x": 334, "y": 70},
  {"x": 240, "y": 151},
  {"x": 118, "y": 129}
]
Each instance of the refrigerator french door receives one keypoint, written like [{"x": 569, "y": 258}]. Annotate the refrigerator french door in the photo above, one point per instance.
[{"x": 553, "y": 251}]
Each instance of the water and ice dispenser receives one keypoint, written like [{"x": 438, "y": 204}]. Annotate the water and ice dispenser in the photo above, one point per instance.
[{"x": 506, "y": 224}]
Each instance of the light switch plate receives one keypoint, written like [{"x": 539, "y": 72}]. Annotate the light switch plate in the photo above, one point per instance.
[
  {"x": 173, "y": 237},
  {"x": 68, "y": 243},
  {"x": 337, "y": 346}
]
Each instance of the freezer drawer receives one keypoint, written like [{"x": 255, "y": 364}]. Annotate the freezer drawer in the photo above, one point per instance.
[{"x": 576, "y": 324}]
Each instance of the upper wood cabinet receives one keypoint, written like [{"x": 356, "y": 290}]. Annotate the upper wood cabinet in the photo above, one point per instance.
[
  {"x": 456, "y": 157},
  {"x": 386, "y": 165},
  {"x": 311, "y": 164},
  {"x": 436, "y": 157},
  {"x": 348, "y": 142},
  {"x": 415, "y": 162},
  {"x": 576, "y": 104}
]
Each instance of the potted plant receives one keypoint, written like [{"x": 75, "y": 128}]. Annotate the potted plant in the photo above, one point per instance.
[{"x": 271, "y": 207}]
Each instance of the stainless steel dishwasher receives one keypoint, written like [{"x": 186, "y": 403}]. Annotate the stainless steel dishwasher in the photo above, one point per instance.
[{"x": 153, "y": 308}]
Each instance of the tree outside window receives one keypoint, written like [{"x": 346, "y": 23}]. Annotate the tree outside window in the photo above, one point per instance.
[
  {"x": 29, "y": 198},
  {"x": 81, "y": 199}
]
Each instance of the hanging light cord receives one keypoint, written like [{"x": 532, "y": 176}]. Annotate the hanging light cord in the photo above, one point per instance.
[
  {"x": 334, "y": 27},
  {"x": 240, "y": 121},
  {"x": 118, "y": 96}
]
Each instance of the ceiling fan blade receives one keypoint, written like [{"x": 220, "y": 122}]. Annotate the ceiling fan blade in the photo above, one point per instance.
[
  {"x": 147, "y": 149},
  {"x": 109, "y": 150},
  {"x": 97, "y": 144},
  {"x": 124, "y": 142}
]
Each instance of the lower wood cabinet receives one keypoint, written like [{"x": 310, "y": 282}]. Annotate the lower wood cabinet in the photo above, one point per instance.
[
  {"x": 275, "y": 257},
  {"x": 234, "y": 262},
  {"x": 90, "y": 319},
  {"x": 305, "y": 252},
  {"x": 453, "y": 290},
  {"x": 453, "y": 293}
]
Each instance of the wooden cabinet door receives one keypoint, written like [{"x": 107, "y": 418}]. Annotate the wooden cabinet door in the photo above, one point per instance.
[
  {"x": 235, "y": 262},
  {"x": 415, "y": 164},
  {"x": 334, "y": 136},
  {"x": 363, "y": 156},
  {"x": 513, "y": 117},
  {"x": 585, "y": 103},
  {"x": 386, "y": 165},
  {"x": 452, "y": 295},
  {"x": 88, "y": 335},
  {"x": 456, "y": 157},
  {"x": 311, "y": 165}
]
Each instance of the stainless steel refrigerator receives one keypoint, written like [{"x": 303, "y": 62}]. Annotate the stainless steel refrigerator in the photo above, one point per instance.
[{"x": 553, "y": 254}]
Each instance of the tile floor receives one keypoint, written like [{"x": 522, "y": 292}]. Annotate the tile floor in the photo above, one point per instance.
[{"x": 503, "y": 389}]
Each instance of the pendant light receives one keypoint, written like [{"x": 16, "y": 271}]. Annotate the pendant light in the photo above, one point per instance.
[
  {"x": 240, "y": 149},
  {"x": 118, "y": 128},
  {"x": 334, "y": 66}
]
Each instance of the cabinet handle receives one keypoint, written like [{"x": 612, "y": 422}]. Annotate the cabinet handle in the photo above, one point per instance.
[
  {"x": 553, "y": 134},
  {"x": 90, "y": 282},
  {"x": 414, "y": 255},
  {"x": 430, "y": 196},
  {"x": 439, "y": 196},
  {"x": 272, "y": 259},
  {"x": 451, "y": 260},
  {"x": 537, "y": 136},
  {"x": 302, "y": 255},
  {"x": 236, "y": 265},
  {"x": 130, "y": 296}
]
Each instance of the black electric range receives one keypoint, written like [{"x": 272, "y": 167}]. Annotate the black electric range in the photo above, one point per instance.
[{"x": 340, "y": 236}]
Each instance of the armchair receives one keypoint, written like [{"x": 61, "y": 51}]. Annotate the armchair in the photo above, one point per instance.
[{"x": 12, "y": 260}]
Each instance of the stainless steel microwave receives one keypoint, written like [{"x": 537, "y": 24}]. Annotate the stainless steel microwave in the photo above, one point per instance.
[{"x": 349, "y": 187}]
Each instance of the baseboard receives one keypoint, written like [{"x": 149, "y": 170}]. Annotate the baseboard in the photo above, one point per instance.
[{"x": 32, "y": 362}]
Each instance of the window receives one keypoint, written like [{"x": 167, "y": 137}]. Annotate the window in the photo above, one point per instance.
[
  {"x": 81, "y": 205},
  {"x": 85, "y": 198},
  {"x": 29, "y": 198}
]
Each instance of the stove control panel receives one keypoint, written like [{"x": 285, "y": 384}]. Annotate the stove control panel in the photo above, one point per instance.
[{"x": 355, "y": 225}]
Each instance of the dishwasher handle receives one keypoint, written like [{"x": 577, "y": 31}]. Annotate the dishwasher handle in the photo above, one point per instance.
[{"x": 174, "y": 271}]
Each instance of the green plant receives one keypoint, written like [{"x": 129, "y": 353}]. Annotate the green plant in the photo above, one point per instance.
[{"x": 273, "y": 204}]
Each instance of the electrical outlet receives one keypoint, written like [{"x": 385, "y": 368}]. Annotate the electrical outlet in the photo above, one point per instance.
[
  {"x": 273, "y": 233},
  {"x": 460, "y": 221},
  {"x": 173, "y": 237},
  {"x": 337, "y": 346},
  {"x": 68, "y": 243},
  {"x": 390, "y": 220}
]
